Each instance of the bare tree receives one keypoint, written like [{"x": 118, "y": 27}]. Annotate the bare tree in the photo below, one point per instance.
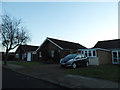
[{"x": 13, "y": 34}]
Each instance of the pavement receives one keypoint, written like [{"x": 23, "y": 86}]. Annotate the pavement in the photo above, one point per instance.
[
  {"x": 53, "y": 73},
  {"x": 24, "y": 81}
]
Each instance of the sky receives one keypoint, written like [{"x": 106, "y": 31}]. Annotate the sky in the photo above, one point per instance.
[{"x": 85, "y": 23}]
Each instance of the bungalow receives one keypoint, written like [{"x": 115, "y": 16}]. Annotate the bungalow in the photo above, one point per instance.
[
  {"x": 25, "y": 52},
  {"x": 97, "y": 56},
  {"x": 113, "y": 46},
  {"x": 104, "y": 52},
  {"x": 62, "y": 47}
]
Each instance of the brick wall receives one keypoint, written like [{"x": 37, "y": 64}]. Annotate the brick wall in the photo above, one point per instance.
[{"x": 105, "y": 57}]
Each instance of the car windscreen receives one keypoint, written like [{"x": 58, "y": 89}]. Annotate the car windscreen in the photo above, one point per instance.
[{"x": 70, "y": 56}]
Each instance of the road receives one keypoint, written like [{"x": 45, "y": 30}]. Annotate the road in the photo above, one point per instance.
[{"x": 11, "y": 79}]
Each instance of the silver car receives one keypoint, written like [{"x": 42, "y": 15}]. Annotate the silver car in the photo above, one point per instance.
[{"x": 74, "y": 60}]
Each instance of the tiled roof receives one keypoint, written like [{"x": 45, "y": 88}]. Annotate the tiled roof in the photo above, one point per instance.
[
  {"x": 27, "y": 48},
  {"x": 66, "y": 44},
  {"x": 108, "y": 44}
]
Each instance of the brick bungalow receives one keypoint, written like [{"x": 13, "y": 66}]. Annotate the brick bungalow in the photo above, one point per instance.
[
  {"x": 63, "y": 47},
  {"x": 104, "y": 52},
  {"x": 25, "y": 52},
  {"x": 113, "y": 46}
]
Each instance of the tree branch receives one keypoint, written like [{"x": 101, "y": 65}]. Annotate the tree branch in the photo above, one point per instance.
[{"x": 13, "y": 34}]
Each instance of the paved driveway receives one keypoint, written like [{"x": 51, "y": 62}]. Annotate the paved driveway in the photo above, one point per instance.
[
  {"x": 23, "y": 81},
  {"x": 49, "y": 69},
  {"x": 55, "y": 74}
]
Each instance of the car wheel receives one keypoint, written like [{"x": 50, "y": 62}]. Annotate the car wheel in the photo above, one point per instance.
[
  {"x": 74, "y": 65},
  {"x": 86, "y": 64}
]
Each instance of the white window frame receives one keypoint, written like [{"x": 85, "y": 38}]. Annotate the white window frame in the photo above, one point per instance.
[
  {"x": 34, "y": 52},
  {"x": 95, "y": 53},
  {"x": 52, "y": 53},
  {"x": 86, "y": 53},
  {"x": 82, "y": 52},
  {"x": 25, "y": 55},
  {"x": 117, "y": 57},
  {"x": 40, "y": 55},
  {"x": 17, "y": 55},
  {"x": 91, "y": 51}
]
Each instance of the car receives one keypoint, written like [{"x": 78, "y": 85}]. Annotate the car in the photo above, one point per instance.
[{"x": 74, "y": 60}]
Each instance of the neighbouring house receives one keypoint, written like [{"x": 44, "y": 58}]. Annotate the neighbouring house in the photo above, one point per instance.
[
  {"x": 97, "y": 56},
  {"x": 11, "y": 56},
  {"x": 104, "y": 52},
  {"x": 26, "y": 52},
  {"x": 113, "y": 46},
  {"x": 62, "y": 47}
]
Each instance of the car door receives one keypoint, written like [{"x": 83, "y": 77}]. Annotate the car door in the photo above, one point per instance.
[
  {"x": 84, "y": 60},
  {"x": 78, "y": 59}
]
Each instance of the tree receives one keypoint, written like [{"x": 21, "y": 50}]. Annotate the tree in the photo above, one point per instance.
[{"x": 13, "y": 34}]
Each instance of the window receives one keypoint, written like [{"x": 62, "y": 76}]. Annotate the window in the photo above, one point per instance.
[
  {"x": 119, "y": 54},
  {"x": 79, "y": 56},
  {"x": 82, "y": 56},
  {"x": 17, "y": 56},
  {"x": 94, "y": 53},
  {"x": 59, "y": 51},
  {"x": 34, "y": 52},
  {"x": 115, "y": 54},
  {"x": 85, "y": 53},
  {"x": 82, "y": 52},
  {"x": 40, "y": 55},
  {"x": 89, "y": 53},
  {"x": 52, "y": 53},
  {"x": 24, "y": 55}
]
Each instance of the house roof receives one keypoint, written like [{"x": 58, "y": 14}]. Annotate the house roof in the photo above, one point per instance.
[
  {"x": 108, "y": 44},
  {"x": 64, "y": 44},
  {"x": 26, "y": 48}
]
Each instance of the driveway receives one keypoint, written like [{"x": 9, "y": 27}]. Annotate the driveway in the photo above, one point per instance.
[
  {"x": 45, "y": 70},
  {"x": 55, "y": 74},
  {"x": 23, "y": 81}
]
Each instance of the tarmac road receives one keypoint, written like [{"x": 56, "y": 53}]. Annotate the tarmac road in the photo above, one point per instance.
[{"x": 11, "y": 79}]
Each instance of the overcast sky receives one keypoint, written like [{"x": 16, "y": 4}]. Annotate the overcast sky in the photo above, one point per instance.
[{"x": 80, "y": 22}]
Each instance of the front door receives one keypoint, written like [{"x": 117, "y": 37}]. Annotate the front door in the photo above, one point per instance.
[
  {"x": 115, "y": 57},
  {"x": 28, "y": 56}
]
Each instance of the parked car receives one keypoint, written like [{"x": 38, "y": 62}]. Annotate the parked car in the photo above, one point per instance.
[{"x": 74, "y": 61}]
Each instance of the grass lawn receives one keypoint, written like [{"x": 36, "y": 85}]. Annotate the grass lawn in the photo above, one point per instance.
[
  {"x": 25, "y": 63},
  {"x": 108, "y": 72}
]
